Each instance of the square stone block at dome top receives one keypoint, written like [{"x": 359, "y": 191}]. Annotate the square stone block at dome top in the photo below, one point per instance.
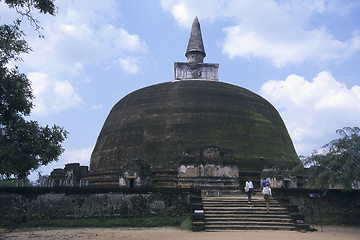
[{"x": 201, "y": 71}]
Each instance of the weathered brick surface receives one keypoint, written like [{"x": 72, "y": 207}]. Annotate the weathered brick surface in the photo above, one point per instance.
[
  {"x": 65, "y": 204},
  {"x": 335, "y": 203}
]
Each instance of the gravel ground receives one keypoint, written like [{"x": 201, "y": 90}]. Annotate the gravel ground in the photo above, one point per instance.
[{"x": 329, "y": 233}]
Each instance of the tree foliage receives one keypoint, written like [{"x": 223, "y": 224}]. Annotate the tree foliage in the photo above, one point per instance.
[
  {"x": 24, "y": 145},
  {"x": 339, "y": 162},
  {"x": 26, "y": 7}
]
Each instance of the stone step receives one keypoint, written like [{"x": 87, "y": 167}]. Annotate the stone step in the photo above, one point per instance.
[
  {"x": 247, "y": 223},
  {"x": 248, "y": 216},
  {"x": 244, "y": 204},
  {"x": 221, "y": 191},
  {"x": 216, "y": 228},
  {"x": 164, "y": 184},
  {"x": 219, "y": 188},
  {"x": 262, "y": 214},
  {"x": 252, "y": 204},
  {"x": 235, "y": 213},
  {"x": 243, "y": 210},
  {"x": 229, "y": 199},
  {"x": 240, "y": 197},
  {"x": 240, "y": 201},
  {"x": 235, "y": 200},
  {"x": 161, "y": 177},
  {"x": 210, "y": 179},
  {"x": 255, "y": 219},
  {"x": 259, "y": 214}
]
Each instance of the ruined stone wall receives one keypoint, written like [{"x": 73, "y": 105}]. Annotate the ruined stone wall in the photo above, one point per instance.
[
  {"x": 335, "y": 203},
  {"x": 76, "y": 203}
]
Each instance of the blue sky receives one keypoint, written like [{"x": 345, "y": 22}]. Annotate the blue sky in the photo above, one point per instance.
[{"x": 302, "y": 56}]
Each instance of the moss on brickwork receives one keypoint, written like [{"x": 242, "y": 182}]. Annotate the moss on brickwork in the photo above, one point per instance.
[{"x": 157, "y": 123}]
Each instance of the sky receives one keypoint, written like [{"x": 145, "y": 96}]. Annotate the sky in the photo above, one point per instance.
[{"x": 302, "y": 56}]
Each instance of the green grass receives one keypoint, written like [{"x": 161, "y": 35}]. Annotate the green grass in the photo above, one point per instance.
[
  {"x": 333, "y": 221},
  {"x": 135, "y": 222},
  {"x": 186, "y": 224}
]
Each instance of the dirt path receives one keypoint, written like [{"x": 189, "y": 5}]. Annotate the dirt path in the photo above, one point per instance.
[{"x": 329, "y": 233}]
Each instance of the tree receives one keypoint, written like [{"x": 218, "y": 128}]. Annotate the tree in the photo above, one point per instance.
[
  {"x": 339, "y": 162},
  {"x": 26, "y": 7},
  {"x": 24, "y": 145},
  {"x": 42, "y": 180}
]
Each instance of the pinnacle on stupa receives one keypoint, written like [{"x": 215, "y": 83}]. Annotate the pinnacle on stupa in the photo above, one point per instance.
[{"x": 195, "y": 51}]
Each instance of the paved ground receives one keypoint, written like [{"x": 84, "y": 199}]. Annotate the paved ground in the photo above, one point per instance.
[{"x": 329, "y": 233}]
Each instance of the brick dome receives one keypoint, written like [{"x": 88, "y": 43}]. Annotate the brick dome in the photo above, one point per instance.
[
  {"x": 225, "y": 129},
  {"x": 159, "y": 122}
]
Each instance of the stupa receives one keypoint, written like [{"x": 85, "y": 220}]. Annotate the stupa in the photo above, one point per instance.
[{"x": 193, "y": 131}]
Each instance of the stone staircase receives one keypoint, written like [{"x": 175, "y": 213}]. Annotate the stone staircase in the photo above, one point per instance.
[
  {"x": 164, "y": 178},
  {"x": 235, "y": 213}
]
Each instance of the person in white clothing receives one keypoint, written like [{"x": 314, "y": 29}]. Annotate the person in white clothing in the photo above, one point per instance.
[
  {"x": 267, "y": 196},
  {"x": 249, "y": 189}
]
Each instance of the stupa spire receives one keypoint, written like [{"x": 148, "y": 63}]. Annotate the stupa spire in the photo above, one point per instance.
[
  {"x": 195, "y": 68},
  {"x": 195, "y": 51}
]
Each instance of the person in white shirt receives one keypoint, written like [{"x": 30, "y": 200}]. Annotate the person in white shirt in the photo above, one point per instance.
[
  {"x": 249, "y": 189},
  {"x": 267, "y": 196}
]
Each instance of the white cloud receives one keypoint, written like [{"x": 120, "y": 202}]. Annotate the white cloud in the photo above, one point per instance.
[
  {"x": 129, "y": 65},
  {"x": 316, "y": 45},
  {"x": 51, "y": 95},
  {"x": 184, "y": 11},
  {"x": 81, "y": 37},
  {"x": 96, "y": 106},
  {"x": 313, "y": 110},
  {"x": 81, "y": 156},
  {"x": 120, "y": 39},
  {"x": 83, "y": 34},
  {"x": 280, "y": 31}
]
